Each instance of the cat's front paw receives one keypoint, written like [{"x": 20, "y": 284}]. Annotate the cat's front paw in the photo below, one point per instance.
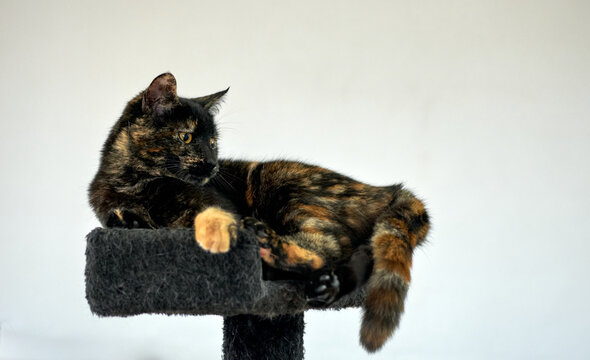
[
  {"x": 322, "y": 289},
  {"x": 124, "y": 218},
  {"x": 216, "y": 230}
]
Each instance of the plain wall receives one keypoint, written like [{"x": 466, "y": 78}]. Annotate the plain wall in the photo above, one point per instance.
[{"x": 481, "y": 107}]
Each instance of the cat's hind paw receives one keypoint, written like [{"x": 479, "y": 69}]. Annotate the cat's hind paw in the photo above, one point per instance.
[
  {"x": 322, "y": 289},
  {"x": 216, "y": 230}
]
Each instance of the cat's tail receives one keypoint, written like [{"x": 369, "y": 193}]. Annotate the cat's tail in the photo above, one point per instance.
[{"x": 397, "y": 232}]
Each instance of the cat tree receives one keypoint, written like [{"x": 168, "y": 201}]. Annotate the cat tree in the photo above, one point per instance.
[{"x": 130, "y": 272}]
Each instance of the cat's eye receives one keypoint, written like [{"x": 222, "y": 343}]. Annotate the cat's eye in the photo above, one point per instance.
[
  {"x": 212, "y": 143},
  {"x": 185, "y": 137}
]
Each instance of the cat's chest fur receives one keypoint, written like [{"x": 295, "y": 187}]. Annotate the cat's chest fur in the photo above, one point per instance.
[{"x": 171, "y": 201}]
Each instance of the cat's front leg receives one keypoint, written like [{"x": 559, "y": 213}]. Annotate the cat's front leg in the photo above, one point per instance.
[
  {"x": 216, "y": 230},
  {"x": 127, "y": 218}
]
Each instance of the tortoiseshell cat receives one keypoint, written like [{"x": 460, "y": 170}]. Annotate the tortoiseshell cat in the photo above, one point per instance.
[{"x": 159, "y": 168}]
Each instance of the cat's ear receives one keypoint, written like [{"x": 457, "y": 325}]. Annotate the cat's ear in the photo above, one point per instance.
[
  {"x": 160, "y": 95},
  {"x": 211, "y": 102}
]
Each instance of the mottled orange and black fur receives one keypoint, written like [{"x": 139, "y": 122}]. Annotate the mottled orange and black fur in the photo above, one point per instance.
[
  {"x": 149, "y": 175},
  {"x": 159, "y": 168},
  {"x": 321, "y": 222}
]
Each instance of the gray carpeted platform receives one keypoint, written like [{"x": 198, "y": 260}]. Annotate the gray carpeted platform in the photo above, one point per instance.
[{"x": 164, "y": 271}]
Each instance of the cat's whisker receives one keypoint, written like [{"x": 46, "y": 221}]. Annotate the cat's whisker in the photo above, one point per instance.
[
  {"x": 172, "y": 166},
  {"x": 223, "y": 176},
  {"x": 220, "y": 177},
  {"x": 232, "y": 176}
]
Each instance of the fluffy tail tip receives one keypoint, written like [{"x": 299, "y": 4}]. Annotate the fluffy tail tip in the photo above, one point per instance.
[
  {"x": 375, "y": 332},
  {"x": 383, "y": 309}
]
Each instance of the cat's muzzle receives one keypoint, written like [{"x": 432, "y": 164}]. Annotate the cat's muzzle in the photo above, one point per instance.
[{"x": 202, "y": 174}]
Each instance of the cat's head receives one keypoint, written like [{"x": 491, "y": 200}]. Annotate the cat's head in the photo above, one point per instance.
[{"x": 163, "y": 135}]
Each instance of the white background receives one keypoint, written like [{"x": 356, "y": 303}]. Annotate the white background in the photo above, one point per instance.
[{"x": 482, "y": 108}]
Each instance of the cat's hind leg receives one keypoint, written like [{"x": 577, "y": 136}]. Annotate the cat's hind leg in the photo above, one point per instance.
[
  {"x": 314, "y": 257},
  {"x": 295, "y": 253}
]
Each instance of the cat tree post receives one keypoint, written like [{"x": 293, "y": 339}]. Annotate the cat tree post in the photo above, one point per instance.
[
  {"x": 131, "y": 272},
  {"x": 255, "y": 337}
]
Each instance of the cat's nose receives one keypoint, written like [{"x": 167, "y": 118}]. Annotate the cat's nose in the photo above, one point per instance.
[{"x": 206, "y": 168}]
